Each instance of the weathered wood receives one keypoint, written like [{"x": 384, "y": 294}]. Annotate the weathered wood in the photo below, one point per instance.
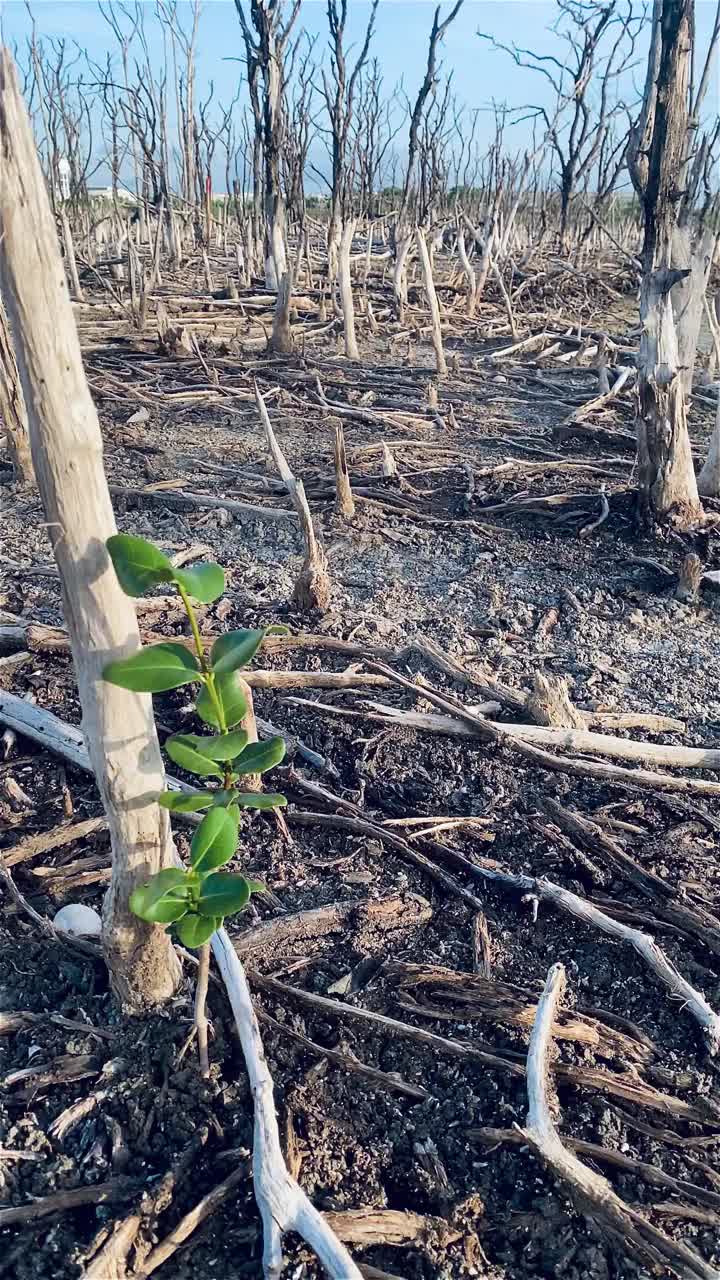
[
  {"x": 281, "y": 339},
  {"x": 689, "y": 293},
  {"x": 312, "y": 589},
  {"x": 666, "y": 474},
  {"x": 67, "y": 454},
  {"x": 283, "y": 1204},
  {"x": 429, "y": 283},
  {"x": 346, "y": 292},
  {"x": 345, "y": 503},
  {"x": 625, "y": 1226},
  {"x": 13, "y": 415},
  {"x": 311, "y": 933},
  {"x": 549, "y": 703}
]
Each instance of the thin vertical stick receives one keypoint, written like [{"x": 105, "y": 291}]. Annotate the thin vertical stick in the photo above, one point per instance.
[
  {"x": 345, "y": 503},
  {"x": 201, "y": 990}
]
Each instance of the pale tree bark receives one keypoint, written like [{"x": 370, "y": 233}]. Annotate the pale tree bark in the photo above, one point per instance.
[
  {"x": 666, "y": 476},
  {"x": 403, "y": 245},
  {"x": 13, "y": 416},
  {"x": 265, "y": 56},
  {"x": 709, "y": 476},
  {"x": 344, "y": 501},
  {"x": 346, "y": 292},
  {"x": 70, "y": 259},
  {"x": 281, "y": 339},
  {"x": 468, "y": 272},
  {"x": 688, "y": 294},
  {"x": 67, "y": 454},
  {"x": 429, "y": 283}
]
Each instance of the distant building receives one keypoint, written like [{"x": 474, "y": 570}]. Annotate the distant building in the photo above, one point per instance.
[{"x": 106, "y": 193}]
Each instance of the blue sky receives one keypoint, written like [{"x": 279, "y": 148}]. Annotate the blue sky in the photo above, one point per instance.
[{"x": 481, "y": 74}]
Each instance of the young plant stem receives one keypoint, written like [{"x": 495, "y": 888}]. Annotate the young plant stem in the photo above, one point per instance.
[
  {"x": 201, "y": 1025},
  {"x": 203, "y": 974},
  {"x": 209, "y": 678}
]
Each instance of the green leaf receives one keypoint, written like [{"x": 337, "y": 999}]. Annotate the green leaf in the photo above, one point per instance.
[
  {"x": 235, "y": 649},
  {"x": 162, "y": 899},
  {"x": 154, "y": 669},
  {"x": 182, "y": 749},
  {"x": 223, "y": 893},
  {"x": 195, "y": 931},
  {"x": 186, "y": 801},
  {"x": 231, "y": 695},
  {"x": 259, "y": 800},
  {"x": 204, "y": 582},
  {"x": 256, "y": 886},
  {"x": 226, "y": 746},
  {"x": 258, "y": 757},
  {"x": 214, "y": 842},
  {"x": 137, "y": 563}
]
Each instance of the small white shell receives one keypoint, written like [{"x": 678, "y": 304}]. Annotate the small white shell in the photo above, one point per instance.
[{"x": 78, "y": 919}]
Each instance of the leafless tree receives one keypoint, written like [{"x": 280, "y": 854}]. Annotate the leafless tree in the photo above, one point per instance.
[
  {"x": 600, "y": 41},
  {"x": 695, "y": 198},
  {"x": 266, "y": 33},
  {"x": 339, "y": 90},
  {"x": 300, "y": 130},
  {"x": 376, "y": 124},
  {"x": 666, "y": 476},
  {"x": 408, "y": 212}
]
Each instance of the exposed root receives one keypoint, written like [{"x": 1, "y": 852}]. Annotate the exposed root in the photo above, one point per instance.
[{"x": 626, "y": 1229}]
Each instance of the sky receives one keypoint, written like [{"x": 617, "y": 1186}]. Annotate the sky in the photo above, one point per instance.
[{"x": 482, "y": 74}]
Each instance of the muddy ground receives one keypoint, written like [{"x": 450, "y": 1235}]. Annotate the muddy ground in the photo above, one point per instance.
[{"x": 508, "y": 594}]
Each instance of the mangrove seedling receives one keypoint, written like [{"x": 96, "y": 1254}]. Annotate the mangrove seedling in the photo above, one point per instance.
[{"x": 194, "y": 900}]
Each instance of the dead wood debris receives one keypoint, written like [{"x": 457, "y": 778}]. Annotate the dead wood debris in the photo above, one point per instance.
[
  {"x": 625, "y": 1227},
  {"x": 631, "y": 1087}
]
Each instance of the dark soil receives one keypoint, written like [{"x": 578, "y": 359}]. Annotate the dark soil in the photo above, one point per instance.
[{"x": 482, "y": 591}]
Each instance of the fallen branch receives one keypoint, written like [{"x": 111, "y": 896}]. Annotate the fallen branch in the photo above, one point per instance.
[
  {"x": 368, "y": 1227},
  {"x": 627, "y": 1229},
  {"x": 362, "y": 827},
  {"x": 629, "y": 1087},
  {"x": 520, "y": 738},
  {"x": 624, "y": 376},
  {"x": 183, "y": 499},
  {"x": 282, "y": 1203},
  {"x": 646, "y": 947},
  {"x": 462, "y": 996},
  {"x": 191, "y": 1221},
  {"x": 312, "y": 588},
  {"x": 346, "y": 1060},
  {"x": 649, "y": 1173},
  {"x": 63, "y": 1201},
  {"x": 309, "y": 934}
]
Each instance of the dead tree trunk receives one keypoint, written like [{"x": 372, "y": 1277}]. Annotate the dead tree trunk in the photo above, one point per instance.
[
  {"x": 709, "y": 476},
  {"x": 346, "y": 293},
  {"x": 403, "y": 245},
  {"x": 468, "y": 272},
  {"x": 344, "y": 501},
  {"x": 281, "y": 339},
  {"x": 688, "y": 294},
  {"x": 70, "y": 260},
  {"x": 13, "y": 415},
  {"x": 665, "y": 469},
  {"x": 67, "y": 453},
  {"x": 427, "y": 274}
]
